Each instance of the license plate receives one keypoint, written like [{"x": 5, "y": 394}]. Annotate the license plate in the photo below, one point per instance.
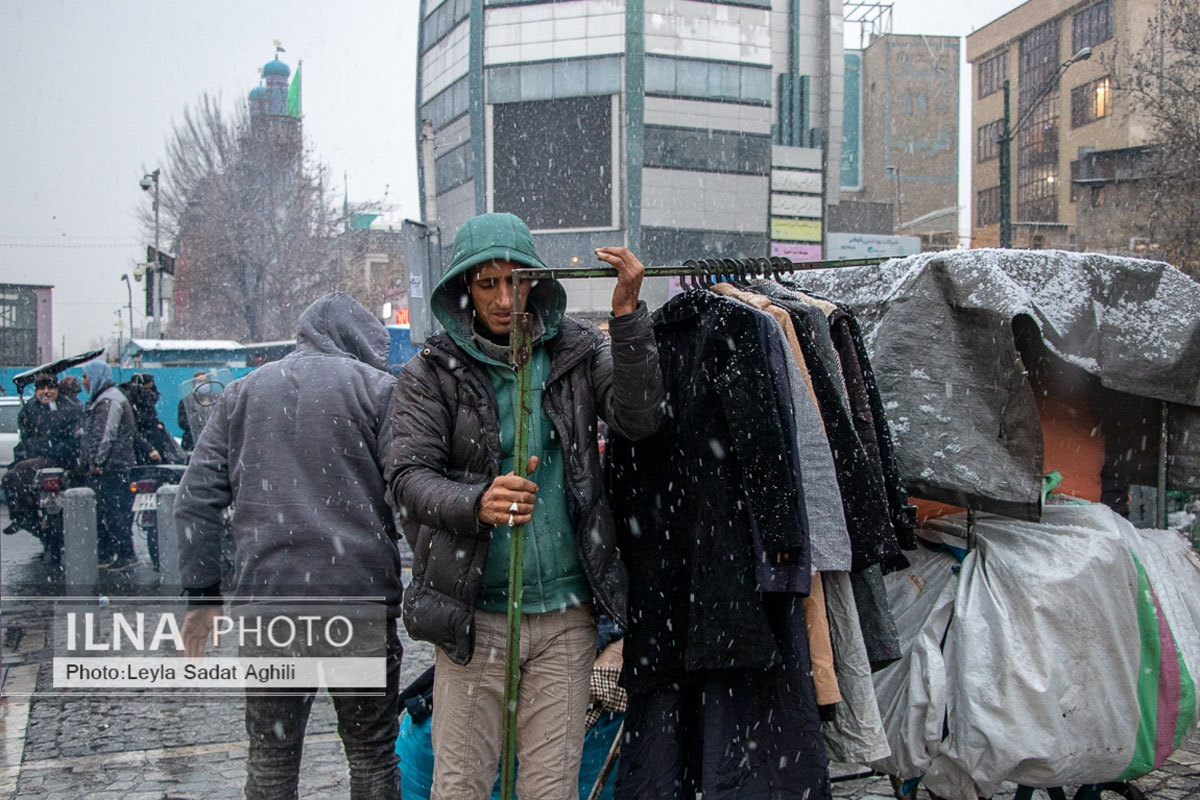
[{"x": 145, "y": 502}]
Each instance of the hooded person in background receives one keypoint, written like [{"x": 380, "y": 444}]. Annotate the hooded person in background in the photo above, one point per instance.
[
  {"x": 69, "y": 388},
  {"x": 458, "y": 491},
  {"x": 297, "y": 447},
  {"x": 192, "y": 413},
  {"x": 106, "y": 452},
  {"x": 152, "y": 443}
]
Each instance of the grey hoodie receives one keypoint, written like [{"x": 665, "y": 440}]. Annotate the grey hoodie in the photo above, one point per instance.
[{"x": 297, "y": 447}]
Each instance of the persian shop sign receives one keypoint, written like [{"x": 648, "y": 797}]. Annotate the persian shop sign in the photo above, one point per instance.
[
  {"x": 796, "y": 230},
  {"x": 865, "y": 245},
  {"x": 797, "y": 252}
]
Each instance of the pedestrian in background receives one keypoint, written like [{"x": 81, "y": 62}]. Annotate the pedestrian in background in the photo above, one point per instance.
[
  {"x": 454, "y": 483},
  {"x": 192, "y": 413},
  {"x": 69, "y": 388},
  {"x": 297, "y": 447},
  {"x": 152, "y": 442},
  {"x": 106, "y": 452}
]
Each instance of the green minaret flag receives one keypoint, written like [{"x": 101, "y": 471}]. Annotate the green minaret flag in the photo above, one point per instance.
[{"x": 294, "y": 95}]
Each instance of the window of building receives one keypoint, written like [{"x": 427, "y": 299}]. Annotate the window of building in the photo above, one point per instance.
[
  {"x": 1037, "y": 194},
  {"x": 987, "y": 141},
  {"x": 442, "y": 21},
  {"x": 1037, "y": 141},
  {"x": 553, "y": 162},
  {"x": 448, "y": 105},
  {"x": 987, "y": 207},
  {"x": 1091, "y": 101},
  {"x": 18, "y": 326},
  {"x": 1092, "y": 26},
  {"x": 992, "y": 73},
  {"x": 1038, "y": 61},
  {"x": 708, "y": 80}
]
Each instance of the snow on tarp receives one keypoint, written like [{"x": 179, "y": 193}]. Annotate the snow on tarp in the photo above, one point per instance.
[
  {"x": 1059, "y": 653},
  {"x": 939, "y": 329}
]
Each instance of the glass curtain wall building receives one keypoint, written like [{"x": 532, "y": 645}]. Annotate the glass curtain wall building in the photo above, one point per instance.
[{"x": 683, "y": 128}]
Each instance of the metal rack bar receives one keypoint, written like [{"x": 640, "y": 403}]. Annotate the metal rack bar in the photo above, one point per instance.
[{"x": 703, "y": 267}]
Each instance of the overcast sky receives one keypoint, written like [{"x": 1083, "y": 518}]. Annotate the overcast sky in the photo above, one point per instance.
[{"x": 91, "y": 89}]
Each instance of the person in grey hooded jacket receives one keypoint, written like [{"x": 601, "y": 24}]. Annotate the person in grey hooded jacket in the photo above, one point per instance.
[
  {"x": 106, "y": 451},
  {"x": 297, "y": 449}
]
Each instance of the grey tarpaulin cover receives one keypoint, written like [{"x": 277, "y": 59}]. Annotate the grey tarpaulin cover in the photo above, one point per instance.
[{"x": 939, "y": 329}]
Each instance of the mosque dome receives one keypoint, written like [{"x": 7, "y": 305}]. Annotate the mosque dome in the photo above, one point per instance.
[{"x": 275, "y": 68}]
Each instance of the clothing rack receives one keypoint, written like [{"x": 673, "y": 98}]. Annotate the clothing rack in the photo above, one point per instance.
[{"x": 701, "y": 272}]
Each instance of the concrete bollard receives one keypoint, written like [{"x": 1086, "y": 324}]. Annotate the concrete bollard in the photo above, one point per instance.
[
  {"x": 80, "y": 566},
  {"x": 168, "y": 540}
]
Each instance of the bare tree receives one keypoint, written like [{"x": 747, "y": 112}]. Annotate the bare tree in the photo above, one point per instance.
[
  {"x": 250, "y": 221},
  {"x": 1162, "y": 77}
]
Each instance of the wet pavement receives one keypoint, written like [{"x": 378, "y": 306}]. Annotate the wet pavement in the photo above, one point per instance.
[
  {"x": 129, "y": 747},
  {"x": 194, "y": 748}
]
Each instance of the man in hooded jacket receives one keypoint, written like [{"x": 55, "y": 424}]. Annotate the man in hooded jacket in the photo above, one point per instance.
[
  {"x": 297, "y": 447},
  {"x": 453, "y": 481},
  {"x": 106, "y": 451}
]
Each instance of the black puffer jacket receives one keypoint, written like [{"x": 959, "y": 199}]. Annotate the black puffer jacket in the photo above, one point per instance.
[
  {"x": 49, "y": 433},
  {"x": 446, "y": 451}
]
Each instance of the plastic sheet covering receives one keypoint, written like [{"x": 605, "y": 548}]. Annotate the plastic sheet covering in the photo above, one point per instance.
[
  {"x": 939, "y": 329},
  {"x": 1056, "y": 654}
]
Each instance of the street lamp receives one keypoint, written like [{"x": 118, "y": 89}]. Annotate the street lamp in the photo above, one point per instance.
[
  {"x": 1006, "y": 136},
  {"x": 153, "y": 287},
  {"x": 129, "y": 286}
]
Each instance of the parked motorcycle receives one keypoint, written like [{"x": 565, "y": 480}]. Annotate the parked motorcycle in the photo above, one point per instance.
[
  {"x": 144, "y": 482},
  {"x": 51, "y": 483}
]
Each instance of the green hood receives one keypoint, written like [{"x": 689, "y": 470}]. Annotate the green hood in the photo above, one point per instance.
[{"x": 485, "y": 238}]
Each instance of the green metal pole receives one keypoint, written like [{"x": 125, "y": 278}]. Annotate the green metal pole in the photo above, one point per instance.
[
  {"x": 1160, "y": 504},
  {"x": 520, "y": 347},
  {"x": 1006, "y": 176}
]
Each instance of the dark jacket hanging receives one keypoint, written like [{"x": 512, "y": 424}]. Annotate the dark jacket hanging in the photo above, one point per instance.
[
  {"x": 731, "y": 734},
  {"x": 872, "y": 536},
  {"x": 868, "y": 407},
  {"x": 686, "y": 499},
  {"x": 721, "y": 693}
]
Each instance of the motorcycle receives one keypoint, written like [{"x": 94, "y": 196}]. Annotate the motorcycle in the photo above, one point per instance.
[
  {"x": 51, "y": 482},
  {"x": 144, "y": 482}
]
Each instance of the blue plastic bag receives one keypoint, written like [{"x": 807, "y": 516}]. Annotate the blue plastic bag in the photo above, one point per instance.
[{"x": 415, "y": 748}]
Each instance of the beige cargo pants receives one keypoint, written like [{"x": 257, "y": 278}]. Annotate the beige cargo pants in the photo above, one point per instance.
[{"x": 557, "y": 652}]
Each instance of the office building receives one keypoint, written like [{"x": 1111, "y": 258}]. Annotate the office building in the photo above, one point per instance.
[
  {"x": 683, "y": 128},
  {"x": 1078, "y": 149}
]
